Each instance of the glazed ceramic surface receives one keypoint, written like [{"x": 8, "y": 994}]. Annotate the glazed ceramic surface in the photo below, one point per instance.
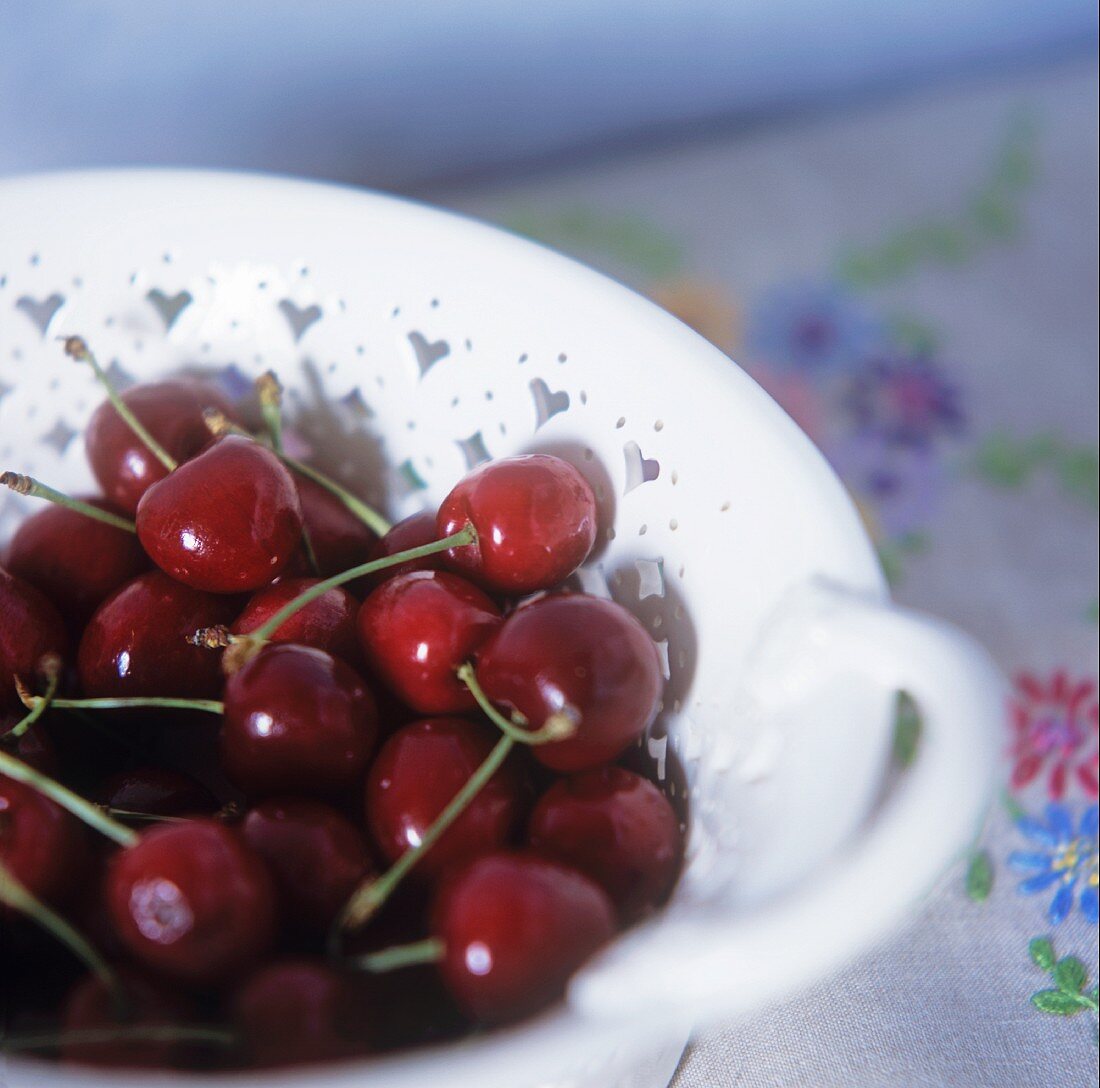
[{"x": 415, "y": 344}]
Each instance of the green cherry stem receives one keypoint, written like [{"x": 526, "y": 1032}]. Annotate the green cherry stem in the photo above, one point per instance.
[
  {"x": 208, "y": 706},
  {"x": 16, "y": 896},
  {"x": 403, "y": 955},
  {"x": 50, "y": 665},
  {"x": 558, "y": 726},
  {"x": 369, "y": 897},
  {"x": 129, "y": 1033},
  {"x": 270, "y": 394},
  {"x": 93, "y": 816},
  {"x": 35, "y": 489},
  {"x": 77, "y": 348}
]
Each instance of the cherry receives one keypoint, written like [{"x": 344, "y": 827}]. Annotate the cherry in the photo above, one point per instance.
[
  {"x": 30, "y": 630},
  {"x": 418, "y": 771},
  {"x": 339, "y": 539},
  {"x": 297, "y": 721},
  {"x": 192, "y": 902},
  {"x": 40, "y": 843},
  {"x": 172, "y": 413},
  {"x": 316, "y": 856},
  {"x": 418, "y": 628},
  {"x": 227, "y": 521},
  {"x": 412, "y": 532},
  {"x": 294, "y": 1012},
  {"x": 516, "y": 927},
  {"x": 156, "y": 791},
  {"x": 535, "y": 518},
  {"x": 615, "y": 827},
  {"x": 137, "y": 643},
  {"x": 90, "y": 1006},
  {"x": 328, "y": 623},
  {"x": 74, "y": 560},
  {"x": 582, "y": 656}
]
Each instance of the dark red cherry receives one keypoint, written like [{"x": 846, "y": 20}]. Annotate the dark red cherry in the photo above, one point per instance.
[
  {"x": 30, "y": 629},
  {"x": 535, "y": 518},
  {"x": 582, "y": 656},
  {"x": 297, "y": 721},
  {"x": 91, "y": 1007},
  {"x": 76, "y": 561},
  {"x": 516, "y": 927},
  {"x": 40, "y": 843},
  {"x": 227, "y": 521},
  {"x": 156, "y": 791},
  {"x": 418, "y": 771},
  {"x": 172, "y": 413},
  {"x": 316, "y": 856},
  {"x": 417, "y": 629},
  {"x": 192, "y": 901},
  {"x": 413, "y": 532},
  {"x": 137, "y": 644},
  {"x": 328, "y": 623},
  {"x": 615, "y": 827},
  {"x": 340, "y": 540},
  {"x": 294, "y": 1012}
]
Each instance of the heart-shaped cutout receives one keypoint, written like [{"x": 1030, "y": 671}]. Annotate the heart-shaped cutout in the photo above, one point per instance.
[
  {"x": 41, "y": 311},
  {"x": 473, "y": 449},
  {"x": 169, "y": 306},
  {"x": 547, "y": 404},
  {"x": 428, "y": 352},
  {"x": 299, "y": 318},
  {"x": 639, "y": 469}
]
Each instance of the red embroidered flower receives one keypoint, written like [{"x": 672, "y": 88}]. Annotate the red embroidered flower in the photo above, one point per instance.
[{"x": 1055, "y": 727}]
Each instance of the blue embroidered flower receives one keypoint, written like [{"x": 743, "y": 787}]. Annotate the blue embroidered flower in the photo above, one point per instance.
[
  {"x": 813, "y": 328},
  {"x": 1066, "y": 860},
  {"x": 906, "y": 399}
]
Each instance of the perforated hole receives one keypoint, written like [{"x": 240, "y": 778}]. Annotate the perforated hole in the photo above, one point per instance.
[
  {"x": 428, "y": 352},
  {"x": 639, "y": 469}
]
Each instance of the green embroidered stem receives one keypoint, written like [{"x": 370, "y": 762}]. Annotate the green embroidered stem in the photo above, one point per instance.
[
  {"x": 13, "y": 894},
  {"x": 77, "y": 348},
  {"x": 35, "y": 489},
  {"x": 403, "y": 955},
  {"x": 557, "y": 727},
  {"x": 50, "y": 666},
  {"x": 127, "y": 1033},
  {"x": 83, "y": 810},
  {"x": 369, "y": 897}
]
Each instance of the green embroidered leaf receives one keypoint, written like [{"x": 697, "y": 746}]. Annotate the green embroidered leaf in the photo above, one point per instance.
[
  {"x": 979, "y": 877},
  {"x": 1015, "y": 811},
  {"x": 1056, "y": 1002},
  {"x": 1042, "y": 953},
  {"x": 1002, "y": 461},
  {"x": 1079, "y": 472},
  {"x": 1069, "y": 974}
]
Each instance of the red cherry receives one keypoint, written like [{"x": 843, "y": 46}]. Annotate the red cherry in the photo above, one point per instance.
[
  {"x": 171, "y": 412},
  {"x": 316, "y": 856},
  {"x": 30, "y": 629},
  {"x": 418, "y": 772},
  {"x": 227, "y": 521},
  {"x": 295, "y": 1012},
  {"x": 328, "y": 623},
  {"x": 156, "y": 791},
  {"x": 418, "y": 628},
  {"x": 90, "y": 1006},
  {"x": 615, "y": 827},
  {"x": 137, "y": 644},
  {"x": 40, "y": 842},
  {"x": 297, "y": 721},
  {"x": 340, "y": 540},
  {"x": 413, "y": 532},
  {"x": 75, "y": 561},
  {"x": 192, "y": 902},
  {"x": 535, "y": 518},
  {"x": 516, "y": 927},
  {"x": 583, "y": 656}
]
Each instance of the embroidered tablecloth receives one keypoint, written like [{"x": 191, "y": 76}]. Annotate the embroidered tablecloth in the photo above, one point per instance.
[{"x": 915, "y": 280}]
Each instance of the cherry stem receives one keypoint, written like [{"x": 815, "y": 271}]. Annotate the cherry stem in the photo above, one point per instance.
[
  {"x": 83, "y": 810},
  {"x": 16, "y": 896},
  {"x": 270, "y": 393},
  {"x": 369, "y": 897},
  {"x": 209, "y": 706},
  {"x": 558, "y": 726},
  {"x": 50, "y": 665},
  {"x": 465, "y": 535},
  {"x": 218, "y": 424},
  {"x": 77, "y": 348},
  {"x": 430, "y": 950},
  {"x": 35, "y": 489},
  {"x": 135, "y": 1033},
  {"x": 144, "y": 817}
]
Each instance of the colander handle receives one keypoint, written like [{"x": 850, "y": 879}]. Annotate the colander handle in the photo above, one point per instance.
[{"x": 707, "y": 961}]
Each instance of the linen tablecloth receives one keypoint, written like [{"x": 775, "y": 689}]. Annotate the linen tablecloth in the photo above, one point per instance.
[{"x": 915, "y": 280}]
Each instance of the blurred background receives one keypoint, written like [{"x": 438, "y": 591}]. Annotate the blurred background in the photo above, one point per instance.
[{"x": 885, "y": 210}]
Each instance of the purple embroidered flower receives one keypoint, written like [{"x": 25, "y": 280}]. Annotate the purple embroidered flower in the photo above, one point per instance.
[
  {"x": 904, "y": 398},
  {"x": 1066, "y": 860},
  {"x": 812, "y": 328}
]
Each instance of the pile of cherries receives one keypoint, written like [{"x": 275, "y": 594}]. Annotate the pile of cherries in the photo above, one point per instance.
[{"x": 280, "y": 782}]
